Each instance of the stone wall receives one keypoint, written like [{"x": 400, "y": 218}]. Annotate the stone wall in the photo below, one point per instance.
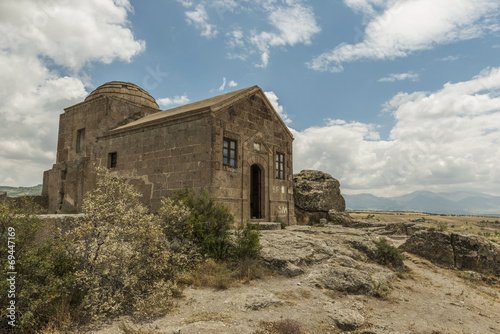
[
  {"x": 259, "y": 135},
  {"x": 72, "y": 175},
  {"x": 161, "y": 158}
]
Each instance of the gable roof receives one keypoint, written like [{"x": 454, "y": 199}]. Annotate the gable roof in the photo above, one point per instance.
[{"x": 211, "y": 104}]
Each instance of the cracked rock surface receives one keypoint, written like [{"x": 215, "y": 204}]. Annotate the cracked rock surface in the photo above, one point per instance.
[
  {"x": 328, "y": 283},
  {"x": 456, "y": 250}
]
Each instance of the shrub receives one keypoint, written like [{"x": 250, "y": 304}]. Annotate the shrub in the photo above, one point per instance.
[
  {"x": 44, "y": 273},
  {"x": 199, "y": 218},
  {"x": 389, "y": 255},
  {"x": 124, "y": 260},
  {"x": 288, "y": 326},
  {"x": 442, "y": 227},
  {"x": 247, "y": 241},
  {"x": 381, "y": 289},
  {"x": 208, "y": 225},
  {"x": 173, "y": 219},
  {"x": 283, "y": 326}
]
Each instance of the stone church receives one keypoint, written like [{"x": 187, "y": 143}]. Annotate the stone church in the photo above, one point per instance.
[{"x": 235, "y": 145}]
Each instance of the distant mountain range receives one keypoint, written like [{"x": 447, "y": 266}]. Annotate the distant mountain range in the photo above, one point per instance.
[
  {"x": 460, "y": 203},
  {"x": 22, "y": 191}
]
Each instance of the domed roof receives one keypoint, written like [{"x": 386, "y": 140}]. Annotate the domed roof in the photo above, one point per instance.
[{"x": 124, "y": 90}]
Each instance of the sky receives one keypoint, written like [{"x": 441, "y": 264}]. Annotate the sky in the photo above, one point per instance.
[{"x": 387, "y": 96}]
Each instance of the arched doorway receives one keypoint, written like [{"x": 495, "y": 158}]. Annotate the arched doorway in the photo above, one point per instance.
[{"x": 256, "y": 191}]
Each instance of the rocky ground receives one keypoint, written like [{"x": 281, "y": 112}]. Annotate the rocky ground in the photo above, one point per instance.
[{"x": 329, "y": 282}]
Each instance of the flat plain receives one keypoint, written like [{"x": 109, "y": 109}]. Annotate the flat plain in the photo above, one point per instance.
[{"x": 485, "y": 226}]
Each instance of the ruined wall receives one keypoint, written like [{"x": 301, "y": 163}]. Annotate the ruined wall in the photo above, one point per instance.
[
  {"x": 161, "y": 158},
  {"x": 71, "y": 176},
  {"x": 259, "y": 136}
]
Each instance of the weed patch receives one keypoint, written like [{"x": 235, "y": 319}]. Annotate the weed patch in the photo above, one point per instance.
[
  {"x": 381, "y": 289},
  {"x": 222, "y": 275},
  {"x": 389, "y": 255},
  {"x": 208, "y": 316},
  {"x": 283, "y": 326}
]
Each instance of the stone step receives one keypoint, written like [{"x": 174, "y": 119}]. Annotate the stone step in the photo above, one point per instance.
[{"x": 265, "y": 226}]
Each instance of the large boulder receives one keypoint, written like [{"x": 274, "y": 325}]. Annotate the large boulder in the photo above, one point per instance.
[
  {"x": 456, "y": 250},
  {"x": 315, "y": 191}
]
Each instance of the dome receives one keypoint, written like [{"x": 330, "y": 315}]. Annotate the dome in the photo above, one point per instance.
[{"x": 124, "y": 90}]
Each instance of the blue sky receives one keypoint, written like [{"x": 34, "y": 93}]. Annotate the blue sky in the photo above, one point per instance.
[{"x": 388, "y": 96}]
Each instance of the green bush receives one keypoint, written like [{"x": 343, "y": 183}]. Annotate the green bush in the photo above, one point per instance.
[
  {"x": 389, "y": 255},
  {"x": 44, "y": 273},
  {"x": 247, "y": 241},
  {"x": 199, "y": 222},
  {"x": 125, "y": 264},
  {"x": 208, "y": 225}
]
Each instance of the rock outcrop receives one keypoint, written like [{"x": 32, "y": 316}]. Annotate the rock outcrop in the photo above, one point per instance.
[
  {"x": 456, "y": 250},
  {"x": 341, "y": 262},
  {"x": 315, "y": 193}
]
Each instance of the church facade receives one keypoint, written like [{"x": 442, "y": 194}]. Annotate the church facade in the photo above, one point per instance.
[{"x": 235, "y": 145}]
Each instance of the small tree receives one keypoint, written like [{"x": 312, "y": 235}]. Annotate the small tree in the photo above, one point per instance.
[
  {"x": 209, "y": 223},
  {"x": 247, "y": 241},
  {"x": 389, "y": 255},
  {"x": 125, "y": 263},
  {"x": 43, "y": 272},
  {"x": 200, "y": 222}
]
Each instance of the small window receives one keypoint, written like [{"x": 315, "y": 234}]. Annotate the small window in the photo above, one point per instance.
[
  {"x": 280, "y": 166},
  {"x": 112, "y": 159},
  {"x": 229, "y": 153},
  {"x": 80, "y": 140}
]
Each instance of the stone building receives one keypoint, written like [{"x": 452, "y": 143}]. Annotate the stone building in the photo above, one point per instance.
[{"x": 235, "y": 145}]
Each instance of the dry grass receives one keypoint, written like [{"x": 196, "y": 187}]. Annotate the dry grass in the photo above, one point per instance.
[
  {"x": 222, "y": 275},
  {"x": 283, "y": 326},
  {"x": 334, "y": 294},
  {"x": 291, "y": 297},
  {"x": 288, "y": 296},
  {"x": 126, "y": 329},
  {"x": 208, "y": 316},
  {"x": 382, "y": 290}
]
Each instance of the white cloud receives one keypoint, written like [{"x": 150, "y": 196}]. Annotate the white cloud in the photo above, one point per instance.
[
  {"x": 397, "y": 28},
  {"x": 236, "y": 45},
  {"x": 39, "y": 40},
  {"x": 443, "y": 140},
  {"x": 449, "y": 58},
  {"x": 199, "y": 18},
  {"x": 223, "y": 86},
  {"x": 70, "y": 35},
  {"x": 290, "y": 23},
  {"x": 293, "y": 24},
  {"x": 366, "y": 7},
  {"x": 273, "y": 98},
  {"x": 223, "y": 5},
  {"x": 172, "y": 101},
  {"x": 185, "y": 3},
  {"x": 400, "y": 76}
]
